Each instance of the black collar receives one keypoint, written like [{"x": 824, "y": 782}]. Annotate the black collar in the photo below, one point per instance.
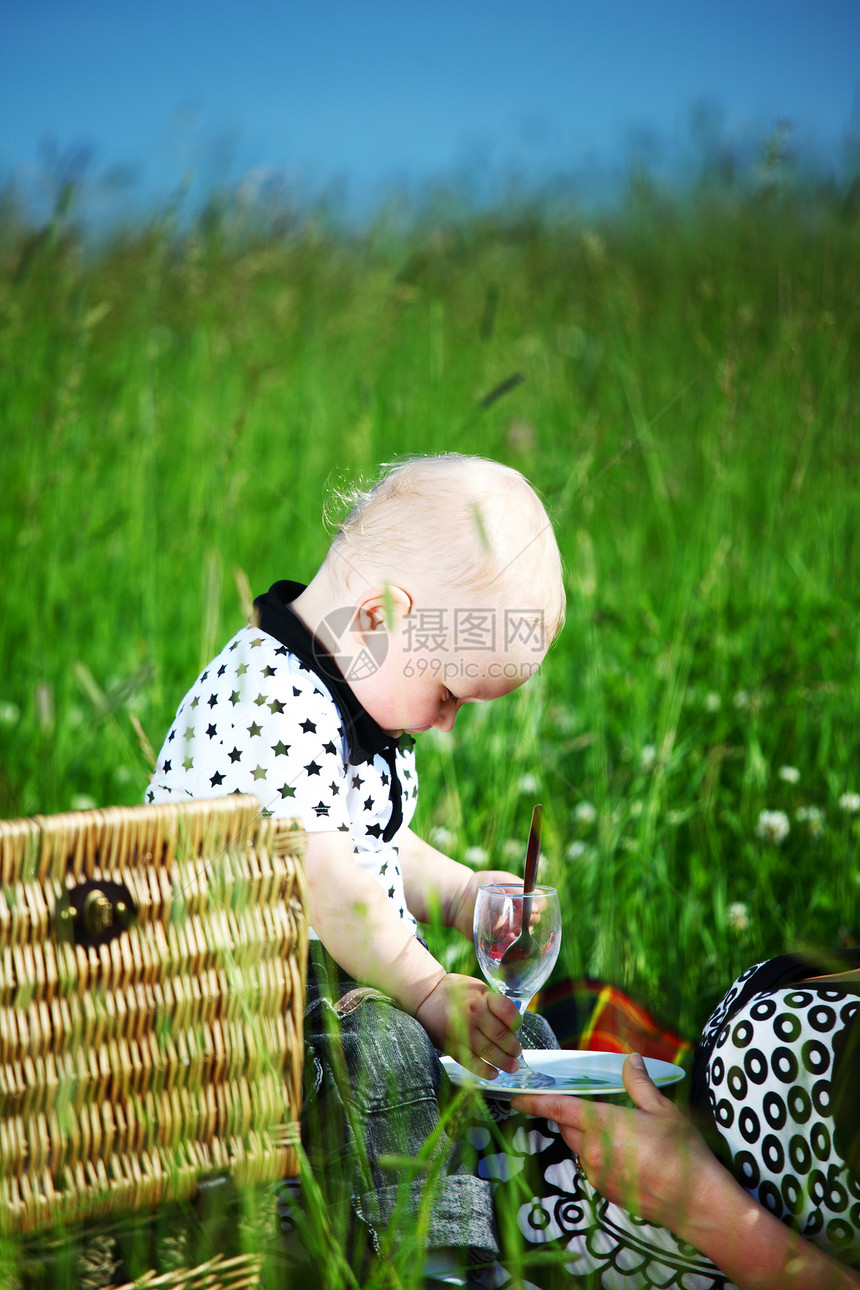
[{"x": 364, "y": 737}]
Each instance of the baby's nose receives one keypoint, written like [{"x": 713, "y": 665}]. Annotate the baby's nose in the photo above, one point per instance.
[{"x": 446, "y": 718}]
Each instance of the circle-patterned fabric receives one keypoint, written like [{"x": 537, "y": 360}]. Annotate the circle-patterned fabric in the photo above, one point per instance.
[
  {"x": 769, "y": 1082},
  {"x": 770, "y": 1063}
]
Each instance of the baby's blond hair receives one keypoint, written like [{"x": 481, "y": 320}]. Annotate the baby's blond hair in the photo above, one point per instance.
[{"x": 468, "y": 523}]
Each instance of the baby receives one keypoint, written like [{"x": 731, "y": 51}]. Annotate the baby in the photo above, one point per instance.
[{"x": 442, "y": 587}]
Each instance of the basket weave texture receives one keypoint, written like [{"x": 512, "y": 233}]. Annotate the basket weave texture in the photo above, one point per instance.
[
  {"x": 152, "y": 985},
  {"x": 240, "y": 1273}
]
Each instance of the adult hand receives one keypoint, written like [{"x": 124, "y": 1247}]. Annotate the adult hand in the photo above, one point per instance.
[
  {"x": 653, "y": 1162},
  {"x": 650, "y": 1160},
  {"x": 472, "y": 1024}
]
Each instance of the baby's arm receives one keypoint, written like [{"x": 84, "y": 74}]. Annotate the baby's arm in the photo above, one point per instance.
[
  {"x": 359, "y": 927},
  {"x": 438, "y": 889}
]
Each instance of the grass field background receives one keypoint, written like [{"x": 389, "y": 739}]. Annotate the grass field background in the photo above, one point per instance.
[{"x": 679, "y": 379}]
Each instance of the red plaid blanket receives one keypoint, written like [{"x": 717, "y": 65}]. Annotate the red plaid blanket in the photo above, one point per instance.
[{"x": 591, "y": 1014}]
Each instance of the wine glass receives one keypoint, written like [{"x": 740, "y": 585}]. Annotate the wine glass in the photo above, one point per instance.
[{"x": 517, "y": 939}]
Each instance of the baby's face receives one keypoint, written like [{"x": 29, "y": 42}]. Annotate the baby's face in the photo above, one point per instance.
[{"x": 442, "y": 659}]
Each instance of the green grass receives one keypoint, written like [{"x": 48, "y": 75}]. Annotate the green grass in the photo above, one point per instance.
[{"x": 175, "y": 404}]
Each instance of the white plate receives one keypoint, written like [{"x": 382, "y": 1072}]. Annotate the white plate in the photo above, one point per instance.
[{"x": 587, "y": 1074}]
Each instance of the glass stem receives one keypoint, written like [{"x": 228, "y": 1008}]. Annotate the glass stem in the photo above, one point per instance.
[
  {"x": 523, "y": 1077},
  {"x": 521, "y": 1006}
]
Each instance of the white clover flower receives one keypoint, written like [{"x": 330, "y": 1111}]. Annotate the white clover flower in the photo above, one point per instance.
[
  {"x": 83, "y": 802},
  {"x": 789, "y": 774},
  {"x": 737, "y": 916},
  {"x": 123, "y": 774},
  {"x": 850, "y": 802},
  {"x": 741, "y": 700},
  {"x": 513, "y": 850},
  {"x": 773, "y": 826},
  {"x": 527, "y": 784},
  {"x": 584, "y": 813},
  {"x": 475, "y": 856},
  {"x": 442, "y": 838},
  {"x": 813, "y": 817},
  {"x": 565, "y": 719},
  {"x": 9, "y": 714},
  {"x": 578, "y": 851},
  {"x": 647, "y": 757},
  {"x": 713, "y": 701}
]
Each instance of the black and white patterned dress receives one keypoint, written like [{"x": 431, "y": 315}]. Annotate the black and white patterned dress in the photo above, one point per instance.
[{"x": 778, "y": 1068}]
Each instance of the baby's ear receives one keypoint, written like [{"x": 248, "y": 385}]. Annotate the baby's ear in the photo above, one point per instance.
[{"x": 381, "y": 608}]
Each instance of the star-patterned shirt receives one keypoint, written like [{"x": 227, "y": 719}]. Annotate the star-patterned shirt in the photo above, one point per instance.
[{"x": 259, "y": 720}]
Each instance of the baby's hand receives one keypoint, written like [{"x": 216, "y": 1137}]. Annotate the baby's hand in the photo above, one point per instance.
[
  {"x": 463, "y": 911},
  {"x": 472, "y": 1024}
]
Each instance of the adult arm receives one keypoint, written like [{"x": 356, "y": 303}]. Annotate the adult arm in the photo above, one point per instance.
[
  {"x": 653, "y": 1162},
  {"x": 439, "y": 889},
  {"x": 359, "y": 927}
]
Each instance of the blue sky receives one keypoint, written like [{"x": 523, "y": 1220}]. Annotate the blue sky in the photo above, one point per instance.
[{"x": 372, "y": 93}]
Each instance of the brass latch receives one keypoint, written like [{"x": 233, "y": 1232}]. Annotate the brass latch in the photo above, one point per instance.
[{"x": 97, "y": 911}]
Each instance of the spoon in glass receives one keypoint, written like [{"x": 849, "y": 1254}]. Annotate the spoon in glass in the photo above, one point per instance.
[{"x": 523, "y": 947}]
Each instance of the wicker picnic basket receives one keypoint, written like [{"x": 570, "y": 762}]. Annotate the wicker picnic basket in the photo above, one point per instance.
[{"x": 152, "y": 982}]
